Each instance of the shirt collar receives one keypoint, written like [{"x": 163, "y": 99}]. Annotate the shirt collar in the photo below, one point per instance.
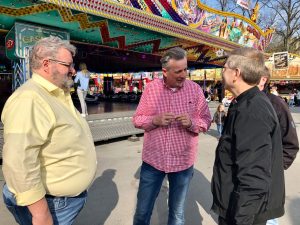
[
  {"x": 44, "y": 83},
  {"x": 171, "y": 89}
]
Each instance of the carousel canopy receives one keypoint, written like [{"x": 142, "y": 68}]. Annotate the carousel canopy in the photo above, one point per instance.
[{"x": 115, "y": 36}]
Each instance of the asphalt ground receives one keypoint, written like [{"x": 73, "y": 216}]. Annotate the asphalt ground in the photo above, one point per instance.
[{"x": 112, "y": 196}]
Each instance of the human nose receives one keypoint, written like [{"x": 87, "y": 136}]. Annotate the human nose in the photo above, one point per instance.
[
  {"x": 183, "y": 74},
  {"x": 73, "y": 71}
]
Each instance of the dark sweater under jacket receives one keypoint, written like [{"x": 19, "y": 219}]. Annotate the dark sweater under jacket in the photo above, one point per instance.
[
  {"x": 289, "y": 136},
  {"x": 248, "y": 178}
]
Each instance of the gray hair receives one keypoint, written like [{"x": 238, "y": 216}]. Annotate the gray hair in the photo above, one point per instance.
[
  {"x": 251, "y": 63},
  {"x": 267, "y": 74},
  {"x": 48, "y": 47},
  {"x": 176, "y": 53}
]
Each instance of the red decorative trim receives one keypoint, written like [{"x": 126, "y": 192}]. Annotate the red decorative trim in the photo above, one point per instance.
[
  {"x": 144, "y": 20},
  {"x": 135, "y": 17},
  {"x": 121, "y": 40}
]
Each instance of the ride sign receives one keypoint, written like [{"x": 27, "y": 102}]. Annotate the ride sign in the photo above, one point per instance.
[
  {"x": 10, "y": 44},
  {"x": 24, "y": 35},
  {"x": 281, "y": 60}
]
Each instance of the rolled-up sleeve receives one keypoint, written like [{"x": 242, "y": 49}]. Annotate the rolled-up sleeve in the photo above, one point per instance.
[
  {"x": 26, "y": 127},
  {"x": 141, "y": 118}
]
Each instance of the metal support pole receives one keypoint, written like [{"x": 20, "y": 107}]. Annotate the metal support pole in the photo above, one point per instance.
[{"x": 19, "y": 75}]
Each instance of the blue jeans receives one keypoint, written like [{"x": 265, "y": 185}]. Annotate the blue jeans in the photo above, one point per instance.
[
  {"x": 63, "y": 209},
  {"x": 273, "y": 222},
  {"x": 150, "y": 183},
  {"x": 220, "y": 128}
]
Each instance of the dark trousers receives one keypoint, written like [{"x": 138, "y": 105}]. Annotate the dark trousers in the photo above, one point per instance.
[{"x": 222, "y": 221}]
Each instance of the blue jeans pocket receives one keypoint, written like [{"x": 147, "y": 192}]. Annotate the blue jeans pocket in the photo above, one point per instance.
[
  {"x": 65, "y": 209},
  {"x": 56, "y": 203}
]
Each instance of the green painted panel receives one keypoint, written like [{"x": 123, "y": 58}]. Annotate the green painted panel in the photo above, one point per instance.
[
  {"x": 114, "y": 33},
  {"x": 23, "y": 35},
  {"x": 6, "y": 22},
  {"x": 76, "y": 33},
  {"x": 133, "y": 34},
  {"x": 10, "y": 44},
  {"x": 16, "y": 4}
]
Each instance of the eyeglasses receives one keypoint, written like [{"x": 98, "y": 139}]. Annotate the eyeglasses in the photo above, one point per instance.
[
  {"x": 69, "y": 65},
  {"x": 226, "y": 67}
]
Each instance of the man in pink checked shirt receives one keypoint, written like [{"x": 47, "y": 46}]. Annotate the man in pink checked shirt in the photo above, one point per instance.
[{"x": 172, "y": 111}]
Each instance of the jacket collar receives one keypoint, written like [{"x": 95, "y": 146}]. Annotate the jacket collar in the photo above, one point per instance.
[{"x": 247, "y": 94}]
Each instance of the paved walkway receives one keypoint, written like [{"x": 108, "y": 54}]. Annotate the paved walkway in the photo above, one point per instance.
[{"x": 112, "y": 197}]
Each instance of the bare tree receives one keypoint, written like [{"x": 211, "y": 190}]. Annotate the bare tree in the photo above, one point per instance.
[
  {"x": 223, "y": 5},
  {"x": 231, "y": 6},
  {"x": 287, "y": 24}
]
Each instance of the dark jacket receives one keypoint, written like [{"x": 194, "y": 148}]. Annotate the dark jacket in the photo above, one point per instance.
[
  {"x": 289, "y": 136},
  {"x": 248, "y": 178}
]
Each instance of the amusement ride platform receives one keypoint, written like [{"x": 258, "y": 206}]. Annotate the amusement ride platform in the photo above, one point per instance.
[{"x": 125, "y": 35}]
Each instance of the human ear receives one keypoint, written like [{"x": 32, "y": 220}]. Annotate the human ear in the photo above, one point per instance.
[
  {"x": 45, "y": 65},
  {"x": 164, "y": 70},
  {"x": 237, "y": 74}
]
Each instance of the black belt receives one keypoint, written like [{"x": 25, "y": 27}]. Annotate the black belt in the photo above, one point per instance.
[{"x": 78, "y": 196}]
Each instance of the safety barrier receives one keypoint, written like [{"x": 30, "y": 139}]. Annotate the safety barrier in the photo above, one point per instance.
[
  {"x": 103, "y": 126},
  {"x": 107, "y": 126}
]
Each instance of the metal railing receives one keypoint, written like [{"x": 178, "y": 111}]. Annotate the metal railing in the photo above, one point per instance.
[
  {"x": 103, "y": 126},
  {"x": 107, "y": 126}
]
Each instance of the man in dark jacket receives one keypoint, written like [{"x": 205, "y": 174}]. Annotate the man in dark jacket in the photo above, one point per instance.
[
  {"x": 248, "y": 178},
  {"x": 289, "y": 137}
]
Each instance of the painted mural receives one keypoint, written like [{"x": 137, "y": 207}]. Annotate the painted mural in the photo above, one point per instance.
[
  {"x": 291, "y": 73},
  {"x": 229, "y": 28},
  {"x": 206, "y": 74},
  {"x": 188, "y": 11},
  {"x": 126, "y": 2},
  {"x": 193, "y": 13}
]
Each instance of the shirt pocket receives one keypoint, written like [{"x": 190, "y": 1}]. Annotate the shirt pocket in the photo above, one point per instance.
[{"x": 191, "y": 107}]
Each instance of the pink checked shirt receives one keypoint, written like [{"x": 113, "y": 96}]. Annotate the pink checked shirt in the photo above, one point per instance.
[{"x": 171, "y": 148}]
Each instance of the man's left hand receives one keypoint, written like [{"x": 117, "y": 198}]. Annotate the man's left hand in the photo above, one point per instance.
[{"x": 184, "y": 119}]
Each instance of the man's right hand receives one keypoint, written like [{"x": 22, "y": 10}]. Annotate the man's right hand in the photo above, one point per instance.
[
  {"x": 163, "y": 119},
  {"x": 40, "y": 213}
]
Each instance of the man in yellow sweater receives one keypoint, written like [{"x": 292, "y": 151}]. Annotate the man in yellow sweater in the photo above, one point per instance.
[{"x": 49, "y": 157}]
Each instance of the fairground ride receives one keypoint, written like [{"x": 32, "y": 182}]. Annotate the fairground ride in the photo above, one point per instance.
[{"x": 126, "y": 34}]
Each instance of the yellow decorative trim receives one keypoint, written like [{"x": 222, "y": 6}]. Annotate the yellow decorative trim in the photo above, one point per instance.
[
  {"x": 65, "y": 14},
  {"x": 296, "y": 55},
  {"x": 171, "y": 23},
  {"x": 222, "y": 13},
  {"x": 174, "y": 6},
  {"x": 143, "y": 5},
  {"x": 229, "y": 14},
  {"x": 28, "y": 10},
  {"x": 3, "y": 31},
  {"x": 148, "y": 27}
]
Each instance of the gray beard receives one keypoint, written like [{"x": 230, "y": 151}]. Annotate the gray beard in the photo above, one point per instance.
[{"x": 67, "y": 85}]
